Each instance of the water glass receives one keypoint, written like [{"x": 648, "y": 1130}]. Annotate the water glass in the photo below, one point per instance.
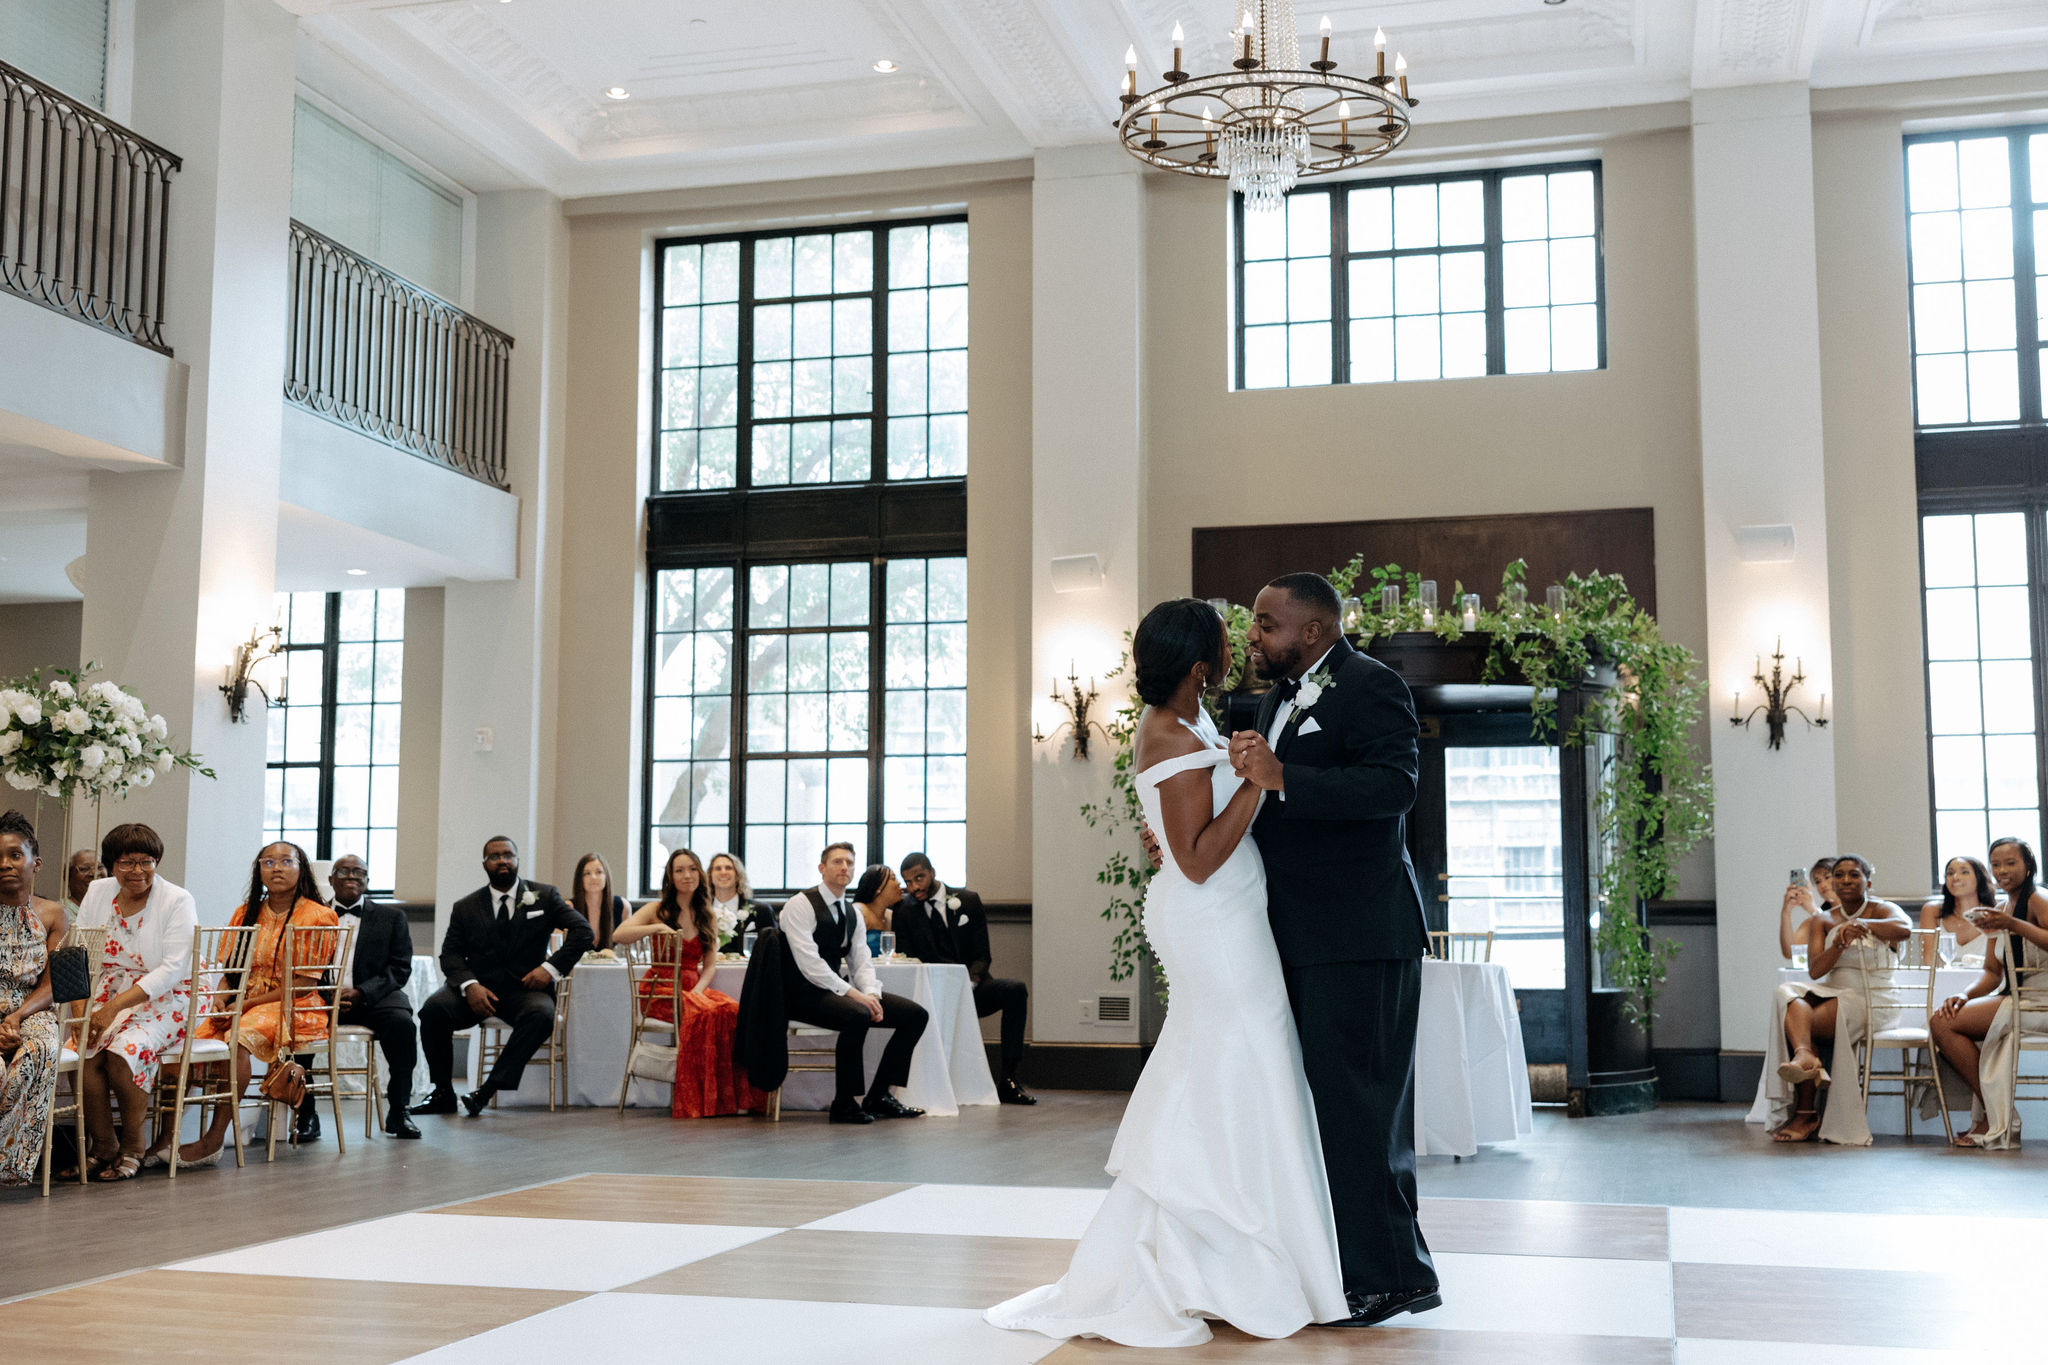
[
  {"x": 1799, "y": 958},
  {"x": 888, "y": 946},
  {"x": 747, "y": 944},
  {"x": 1948, "y": 947}
]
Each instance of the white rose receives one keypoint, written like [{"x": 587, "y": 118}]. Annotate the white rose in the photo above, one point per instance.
[
  {"x": 62, "y": 691},
  {"x": 91, "y": 757},
  {"x": 21, "y": 782},
  {"x": 156, "y": 727},
  {"x": 131, "y": 744},
  {"x": 60, "y": 769},
  {"x": 10, "y": 740},
  {"x": 529, "y": 898},
  {"x": 75, "y": 720},
  {"x": 131, "y": 706},
  {"x": 1310, "y": 694},
  {"x": 145, "y": 777},
  {"x": 952, "y": 902},
  {"x": 52, "y": 789},
  {"x": 165, "y": 760},
  {"x": 106, "y": 692},
  {"x": 27, "y": 709}
]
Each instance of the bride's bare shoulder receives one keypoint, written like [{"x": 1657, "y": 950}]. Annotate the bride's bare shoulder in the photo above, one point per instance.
[{"x": 1161, "y": 737}]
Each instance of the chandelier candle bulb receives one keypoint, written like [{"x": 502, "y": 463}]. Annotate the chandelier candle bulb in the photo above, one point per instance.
[
  {"x": 1179, "y": 38},
  {"x": 1250, "y": 27},
  {"x": 1344, "y": 126},
  {"x": 1325, "y": 63},
  {"x": 1130, "y": 73},
  {"x": 1379, "y": 51},
  {"x": 1401, "y": 71}
]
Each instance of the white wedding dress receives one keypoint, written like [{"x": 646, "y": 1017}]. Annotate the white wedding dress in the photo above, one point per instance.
[{"x": 1220, "y": 1207}]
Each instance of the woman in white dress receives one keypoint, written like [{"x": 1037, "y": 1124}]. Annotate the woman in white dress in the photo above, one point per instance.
[
  {"x": 1851, "y": 996},
  {"x": 1985, "y": 1011},
  {"x": 1966, "y": 887},
  {"x": 1221, "y": 1208}
]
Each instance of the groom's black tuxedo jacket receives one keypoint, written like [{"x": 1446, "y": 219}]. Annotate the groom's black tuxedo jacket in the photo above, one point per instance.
[
  {"x": 1339, "y": 884},
  {"x": 476, "y": 949}
]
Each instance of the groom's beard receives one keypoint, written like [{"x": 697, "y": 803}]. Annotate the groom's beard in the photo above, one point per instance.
[{"x": 1271, "y": 667}]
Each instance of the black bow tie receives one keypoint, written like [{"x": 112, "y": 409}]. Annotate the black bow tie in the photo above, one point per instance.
[{"x": 1286, "y": 688}]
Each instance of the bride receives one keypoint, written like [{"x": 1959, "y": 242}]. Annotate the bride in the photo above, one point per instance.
[{"x": 1220, "y": 1207}]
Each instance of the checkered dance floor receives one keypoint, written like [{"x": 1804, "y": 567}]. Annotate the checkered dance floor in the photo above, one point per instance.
[{"x": 762, "y": 1272}]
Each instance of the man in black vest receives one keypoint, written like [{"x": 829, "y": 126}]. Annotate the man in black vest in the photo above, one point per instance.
[
  {"x": 832, "y": 985},
  {"x": 1336, "y": 751},
  {"x": 940, "y": 923},
  {"x": 495, "y": 959},
  {"x": 373, "y": 991}
]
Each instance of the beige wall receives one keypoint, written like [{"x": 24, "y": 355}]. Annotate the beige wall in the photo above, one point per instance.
[
  {"x": 603, "y": 573},
  {"x": 39, "y": 635},
  {"x": 419, "y": 747}
]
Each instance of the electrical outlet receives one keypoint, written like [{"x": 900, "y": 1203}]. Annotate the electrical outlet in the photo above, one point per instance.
[
  {"x": 483, "y": 739},
  {"x": 1088, "y": 1011}
]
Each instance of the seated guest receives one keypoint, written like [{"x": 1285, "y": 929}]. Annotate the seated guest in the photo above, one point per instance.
[
  {"x": 1974, "y": 1029},
  {"x": 495, "y": 961},
  {"x": 1850, "y": 997},
  {"x": 1803, "y": 903},
  {"x": 595, "y": 901},
  {"x": 685, "y": 933},
  {"x": 138, "y": 1013},
  {"x": 1966, "y": 885},
  {"x": 732, "y": 899},
  {"x": 938, "y": 923},
  {"x": 373, "y": 991},
  {"x": 31, "y": 928},
  {"x": 875, "y": 895},
  {"x": 81, "y": 870},
  {"x": 832, "y": 984},
  {"x": 282, "y": 891}
]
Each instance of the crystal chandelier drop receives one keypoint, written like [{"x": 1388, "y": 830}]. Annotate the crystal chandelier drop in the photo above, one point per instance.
[{"x": 1269, "y": 120}]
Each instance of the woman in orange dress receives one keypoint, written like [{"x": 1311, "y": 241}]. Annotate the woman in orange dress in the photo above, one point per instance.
[
  {"x": 281, "y": 891},
  {"x": 705, "y": 1084}
]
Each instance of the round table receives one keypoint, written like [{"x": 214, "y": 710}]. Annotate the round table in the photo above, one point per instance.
[{"x": 1471, "y": 1073}]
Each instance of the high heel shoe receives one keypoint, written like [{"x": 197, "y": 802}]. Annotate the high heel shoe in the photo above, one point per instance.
[
  {"x": 1791, "y": 1073},
  {"x": 197, "y": 1162}
]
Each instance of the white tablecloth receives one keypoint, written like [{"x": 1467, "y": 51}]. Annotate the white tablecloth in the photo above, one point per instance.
[
  {"x": 1471, "y": 1074},
  {"x": 949, "y": 1068}
]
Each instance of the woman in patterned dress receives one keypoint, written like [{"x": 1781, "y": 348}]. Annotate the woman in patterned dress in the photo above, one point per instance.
[
  {"x": 281, "y": 891},
  {"x": 706, "y": 1082},
  {"x": 145, "y": 970},
  {"x": 31, "y": 928}
]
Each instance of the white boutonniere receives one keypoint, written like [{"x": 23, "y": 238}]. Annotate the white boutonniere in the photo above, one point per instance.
[
  {"x": 952, "y": 902},
  {"x": 1312, "y": 689},
  {"x": 528, "y": 899}
]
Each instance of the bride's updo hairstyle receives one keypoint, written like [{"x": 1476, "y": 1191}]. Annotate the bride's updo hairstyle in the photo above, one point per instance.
[{"x": 1174, "y": 637}]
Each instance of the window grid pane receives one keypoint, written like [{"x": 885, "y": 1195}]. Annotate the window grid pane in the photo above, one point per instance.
[
  {"x": 924, "y": 737},
  {"x": 1972, "y": 326},
  {"x": 1287, "y": 293},
  {"x": 927, "y": 379},
  {"x": 690, "y": 743},
  {"x": 697, "y": 407}
]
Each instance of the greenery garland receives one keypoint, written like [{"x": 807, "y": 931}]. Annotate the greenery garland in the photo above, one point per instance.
[{"x": 1655, "y": 796}]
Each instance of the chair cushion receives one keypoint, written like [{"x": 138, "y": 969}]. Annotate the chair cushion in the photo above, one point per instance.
[
  {"x": 209, "y": 1049},
  {"x": 1898, "y": 1037}
]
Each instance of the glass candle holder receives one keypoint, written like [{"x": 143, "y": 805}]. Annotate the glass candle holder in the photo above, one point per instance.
[
  {"x": 1390, "y": 599},
  {"x": 1470, "y": 612},
  {"x": 1553, "y": 601},
  {"x": 1353, "y": 619}
]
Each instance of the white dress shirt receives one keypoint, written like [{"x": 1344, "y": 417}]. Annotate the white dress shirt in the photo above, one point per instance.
[
  {"x": 1280, "y": 716},
  {"x": 350, "y": 917},
  {"x": 163, "y": 935},
  {"x": 799, "y": 924}
]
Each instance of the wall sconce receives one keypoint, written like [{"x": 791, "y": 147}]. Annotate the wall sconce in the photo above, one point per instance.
[
  {"x": 1075, "y": 706},
  {"x": 265, "y": 643},
  {"x": 1777, "y": 690}
]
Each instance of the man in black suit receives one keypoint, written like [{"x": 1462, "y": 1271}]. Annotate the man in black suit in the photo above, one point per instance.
[
  {"x": 495, "y": 959},
  {"x": 1336, "y": 750},
  {"x": 938, "y": 923},
  {"x": 373, "y": 992}
]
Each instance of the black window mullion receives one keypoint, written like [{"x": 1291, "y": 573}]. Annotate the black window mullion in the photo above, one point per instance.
[
  {"x": 2037, "y": 604},
  {"x": 742, "y": 653},
  {"x": 1496, "y": 275},
  {"x": 1340, "y": 283},
  {"x": 1237, "y": 223},
  {"x": 2026, "y": 325},
  {"x": 330, "y": 674},
  {"x": 743, "y": 381},
  {"x": 878, "y": 574},
  {"x": 1600, "y": 259},
  {"x": 878, "y": 397},
  {"x": 654, "y": 392}
]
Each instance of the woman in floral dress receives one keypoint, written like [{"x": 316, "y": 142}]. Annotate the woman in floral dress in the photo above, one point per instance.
[
  {"x": 706, "y": 1082},
  {"x": 31, "y": 928},
  {"x": 138, "y": 1014},
  {"x": 281, "y": 891}
]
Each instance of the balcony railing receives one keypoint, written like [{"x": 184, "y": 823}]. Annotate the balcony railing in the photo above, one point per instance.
[
  {"x": 375, "y": 352},
  {"x": 84, "y": 205}
]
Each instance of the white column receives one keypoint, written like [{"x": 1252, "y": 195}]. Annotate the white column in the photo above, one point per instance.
[
  {"x": 1760, "y": 464},
  {"x": 498, "y": 639},
  {"x": 179, "y": 567},
  {"x": 1087, "y": 453}
]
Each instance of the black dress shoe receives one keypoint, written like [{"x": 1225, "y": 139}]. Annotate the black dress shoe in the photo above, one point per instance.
[
  {"x": 1370, "y": 1310},
  {"x": 306, "y": 1127},
  {"x": 1009, "y": 1092},
  {"x": 399, "y": 1126},
  {"x": 440, "y": 1102},
  {"x": 846, "y": 1111},
  {"x": 477, "y": 1100},
  {"x": 887, "y": 1106}
]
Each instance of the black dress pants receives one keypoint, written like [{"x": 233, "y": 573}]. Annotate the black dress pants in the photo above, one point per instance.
[
  {"x": 1012, "y": 998},
  {"x": 1357, "y": 1026},
  {"x": 390, "y": 1021},
  {"x": 851, "y": 1022},
  {"x": 531, "y": 1014}
]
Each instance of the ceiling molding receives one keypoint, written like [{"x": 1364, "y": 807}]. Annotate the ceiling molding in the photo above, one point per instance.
[{"x": 1754, "y": 42}]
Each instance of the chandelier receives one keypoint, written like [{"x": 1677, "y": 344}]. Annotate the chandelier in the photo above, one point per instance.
[{"x": 1268, "y": 121}]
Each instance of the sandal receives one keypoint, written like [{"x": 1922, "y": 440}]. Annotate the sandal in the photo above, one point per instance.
[
  {"x": 125, "y": 1167},
  {"x": 1787, "y": 1133},
  {"x": 93, "y": 1166}
]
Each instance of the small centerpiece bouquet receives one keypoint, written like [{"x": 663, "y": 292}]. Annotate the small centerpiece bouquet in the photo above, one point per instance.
[
  {"x": 727, "y": 924},
  {"x": 69, "y": 738}
]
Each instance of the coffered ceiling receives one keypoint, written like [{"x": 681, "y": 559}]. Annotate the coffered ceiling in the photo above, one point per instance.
[{"x": 502, "y": 93}]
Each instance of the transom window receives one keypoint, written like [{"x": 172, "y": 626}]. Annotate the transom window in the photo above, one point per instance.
[
  {"x": 1492, "y": 273},
  {"x": 1977, "y": 204}
]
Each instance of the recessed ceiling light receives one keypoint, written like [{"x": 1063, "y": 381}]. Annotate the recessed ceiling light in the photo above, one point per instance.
[
  {"x": 885, "y": 66},
  {"x": 618, "y": 92},
  {"x": 357, "y": 573}
]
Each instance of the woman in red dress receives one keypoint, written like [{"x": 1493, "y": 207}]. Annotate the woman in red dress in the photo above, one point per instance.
[{"x": 678, "y": 990}]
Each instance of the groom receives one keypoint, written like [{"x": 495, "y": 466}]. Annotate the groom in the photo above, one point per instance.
[{"x": 1336, "y": 748}]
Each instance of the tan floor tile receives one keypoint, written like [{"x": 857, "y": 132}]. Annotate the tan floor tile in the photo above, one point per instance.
[
  {"x": 1389, "y": 1346},
  {"x": 189, "y": 1315},
  {"x": 1623, "y": 1232},
  {"x": 1841, "y": 1307},
  {"x": 683, "y": 1199},
  {"x": 907, "y": 1269}
]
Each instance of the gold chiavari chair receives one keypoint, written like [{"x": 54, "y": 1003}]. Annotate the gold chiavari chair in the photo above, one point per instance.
[
  {"x": 71, "y": 1022},
  {"x": 643, "y": 958},
  {"x": 554, "y": 1053},
  {"x": 1461, "y": 946},
  {"x": 1911, "y": 1035},
  {"x": 220, "y": 958},
  {"x": 353, "y": 1036},
  {"x": 810, "y": 1049},
  {"x": 312, "y": 957},
  {"x": 2028, "y": 987}
]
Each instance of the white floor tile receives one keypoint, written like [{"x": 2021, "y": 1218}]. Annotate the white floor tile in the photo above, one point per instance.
[
  {"x": 756, "y": 1331},
  {"x": 510, "y": 1253},
  {"x": 1581, "y": 1296},
  {"x": 974, "y": 1211},
  {"x": 1694, "y": 1351},
  {"x": 1851, "y": 1241}
]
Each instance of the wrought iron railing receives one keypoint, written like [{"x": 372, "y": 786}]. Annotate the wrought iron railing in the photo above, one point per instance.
[
  {"x": 375, "y": 352},
  {"x": 84, "y": 207}
]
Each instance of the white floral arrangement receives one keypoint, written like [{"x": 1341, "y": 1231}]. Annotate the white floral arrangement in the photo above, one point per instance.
[
  {"x": 69, "y": 738},
  {"x": 727, "y": 923}
]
